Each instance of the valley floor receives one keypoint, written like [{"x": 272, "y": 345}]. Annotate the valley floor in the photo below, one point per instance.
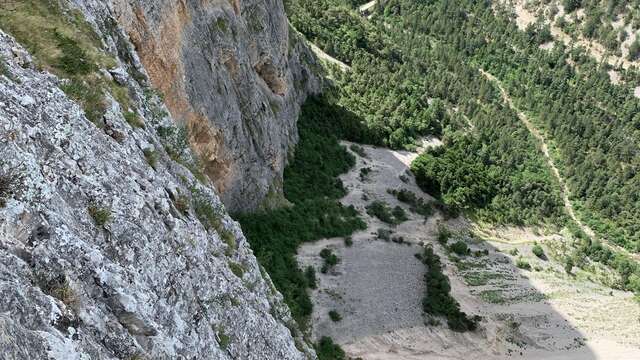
[{"x": 378, "y": 287}]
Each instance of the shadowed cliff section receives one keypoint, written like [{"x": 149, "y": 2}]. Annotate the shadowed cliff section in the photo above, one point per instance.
[{"x": 235, "y": 75}]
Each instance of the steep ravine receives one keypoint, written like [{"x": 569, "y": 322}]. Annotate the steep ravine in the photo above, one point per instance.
[{"x": 111, "y": 246}]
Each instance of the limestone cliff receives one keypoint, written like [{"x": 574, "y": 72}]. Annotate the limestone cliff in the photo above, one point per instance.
[
  {"x": 230, "y": 70},
  {"x": 111, "y": 244}
]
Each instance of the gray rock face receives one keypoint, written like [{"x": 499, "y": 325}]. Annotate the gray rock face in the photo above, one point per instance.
[
  {"x": 233, "y": 73},
  {"x": 103, "y": 256}
]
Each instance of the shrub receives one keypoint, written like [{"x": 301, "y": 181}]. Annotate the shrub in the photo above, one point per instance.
[
  {"x": 513, "y": 252},
  {"x": 568, "y": 266},
  {"x": 460, "y": 248},
  {"x": 326, "y": 349},
  {"x": 438, "y": 300},
  {"x": 443, "y": 234},
  {"x": 324, "y": 253},
  {"x": 175, "y": 140},
  {"x": 358, "y": 150},
  {"x": 538, "y": 251},
  {"x": 399, "y": 214},
  {"x": 310, "y": 276},
  {"x": 101, "y": 216},
  {"x": 523, "y": 264},
  {"x": 418, "y": 205},
  {"x": 384, "y": 234},
  {"x": 4, "y": 69},
  {"x": 364, "y": 173},
  {"x": 634, "y": 50},
  {"x": 348, "y": 241},
  {"x": 330, "y": 260},
  {"x": 335, "y": 316},
  {"x": 382, "y": 211}
]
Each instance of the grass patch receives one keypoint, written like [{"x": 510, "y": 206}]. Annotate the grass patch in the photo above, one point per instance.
[
  {"x": 151, "y": 157},
  {"x": 492, "y": 296},
  {"x": 62, "y": 42},
  {"x": 523, "y": 264},
  {"x": 211, "y": 219},
  {"x": 134, "y": 119},
  {"x": 223, "y": 339},
  {"x": 237, "y": 269},
  {"x": 100, "y": 215},
  {"x": 480, "y": 278}
]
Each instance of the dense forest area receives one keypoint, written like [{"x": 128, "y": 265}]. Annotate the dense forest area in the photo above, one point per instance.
[{"x": 415, "y": 72}]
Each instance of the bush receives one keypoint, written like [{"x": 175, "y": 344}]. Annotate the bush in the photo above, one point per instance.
[
  {"x": 418, "y": 205},
  {"x": 384, "y": 234},
  {"x": 568, "y": 266},
  {"x": 182, "y": 203},
  {"x": 460, "y": 248},
  {"x": 385, "y": 214},
  {"x": 634, "y": 50},
  {"x": 399, "y": 215},
  {"x": 443, "y": 234},
  {"x": 335, "y": 316},
  {"x": 358, "y": 150},
  {"x": 538, "y": 251},
  {"x": 326, "y": 349},
  {"x": 310, "y": 276},
  {"x": 348, "y": 241},
  {"x": 438, "y": 300}
]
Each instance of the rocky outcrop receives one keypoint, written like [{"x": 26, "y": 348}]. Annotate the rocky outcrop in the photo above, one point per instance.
[
  {"x": 233, "y": 73},
  {"x": 109, "y": 249}
]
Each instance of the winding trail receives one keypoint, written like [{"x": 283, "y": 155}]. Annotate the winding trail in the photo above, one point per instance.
[
  {"x": 556, "y": 173},
  {"x": 545, "y": 150}
]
